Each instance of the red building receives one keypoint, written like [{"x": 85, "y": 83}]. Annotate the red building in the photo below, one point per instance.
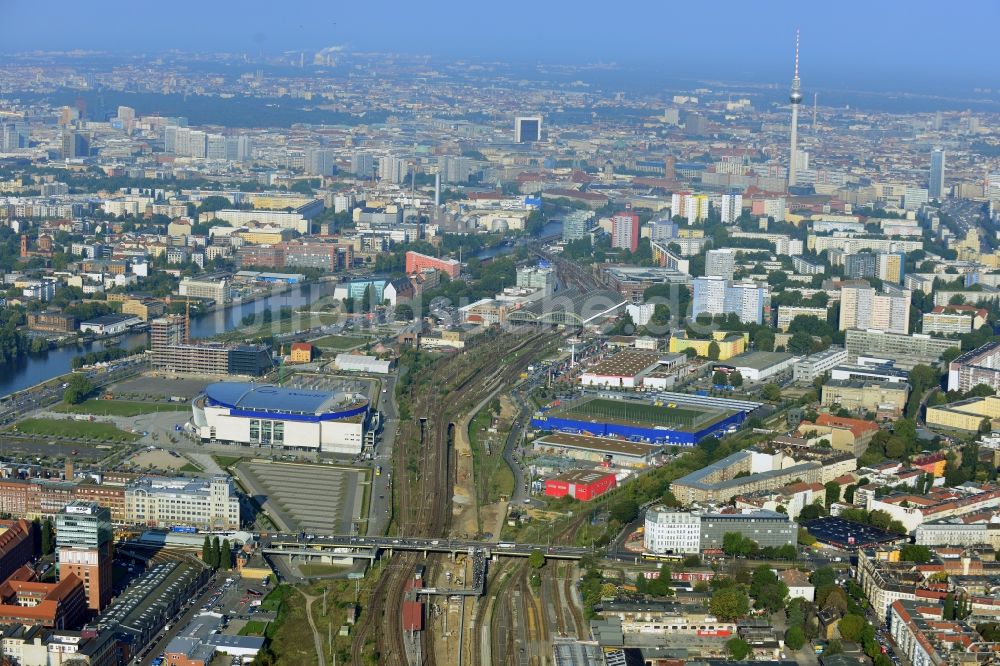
[
  {"x": 625, "y": 229},
  {"x": 583, "y": 485},
  {"x": 416, "y": 262},
  {"x": 17, "y": 546}
]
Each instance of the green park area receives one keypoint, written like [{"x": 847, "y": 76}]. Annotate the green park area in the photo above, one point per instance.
[
  {"x": 339, "y": 342},
  {"x": 73, "y": 429},
  {"x": 124, "y": 408}
]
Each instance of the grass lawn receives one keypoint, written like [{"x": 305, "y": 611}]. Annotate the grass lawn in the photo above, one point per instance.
[
  {"x": 320, "y": 569},
  {"x": 254, "y": 628},
  {"x": 227, "y": 461},
  {"x": 75, "y": 429},
  {"x": 121, "y": 407},
  {"x": 339, "y": 342},
  {"x": 291, "y": 637},
  {"x": 190, "y": 467},
  {"x": 298, "y": 322}
]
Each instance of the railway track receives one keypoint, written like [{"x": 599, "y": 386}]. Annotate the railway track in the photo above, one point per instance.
[
  {"x": 569, "y": 598},
  {"x": 425, "y": 504}
]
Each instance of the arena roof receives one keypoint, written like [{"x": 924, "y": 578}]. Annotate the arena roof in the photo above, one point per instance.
[{"x": 269, "y": 398}]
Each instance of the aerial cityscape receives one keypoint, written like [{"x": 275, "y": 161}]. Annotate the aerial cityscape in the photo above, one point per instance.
[{"x": 379, "y": 335}]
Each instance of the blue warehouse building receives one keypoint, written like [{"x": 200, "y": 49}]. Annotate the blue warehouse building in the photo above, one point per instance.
[{"x": 639, "y": 432}]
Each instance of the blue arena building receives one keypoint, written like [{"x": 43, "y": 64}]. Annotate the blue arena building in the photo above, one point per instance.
[{"x": 263, "y": 415}]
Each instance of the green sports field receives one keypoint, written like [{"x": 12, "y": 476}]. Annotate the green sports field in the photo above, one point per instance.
[{"x": 636, "y": 412}]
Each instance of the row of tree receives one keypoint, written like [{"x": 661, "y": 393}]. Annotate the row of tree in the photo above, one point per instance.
[{"x": 217, "y": 555}]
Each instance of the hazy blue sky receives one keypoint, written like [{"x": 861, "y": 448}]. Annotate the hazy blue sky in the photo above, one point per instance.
[{"x": 845, "y": 42}]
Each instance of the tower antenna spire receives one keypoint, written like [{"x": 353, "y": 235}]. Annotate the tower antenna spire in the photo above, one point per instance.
[
  {"x": 795, "y": 98},
  {"x": 796, "y": 53}
]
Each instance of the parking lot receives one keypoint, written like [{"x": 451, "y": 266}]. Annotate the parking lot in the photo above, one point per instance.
[
  {"x": 847, "y": 534},
  {"x": 324, "y": 499},
  {"x": 149, "y": 386}
]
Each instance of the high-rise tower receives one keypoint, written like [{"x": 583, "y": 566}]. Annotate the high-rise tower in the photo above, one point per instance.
[
  {"x": 935, "y": 186},
  {"x": 795, "y": 98}
]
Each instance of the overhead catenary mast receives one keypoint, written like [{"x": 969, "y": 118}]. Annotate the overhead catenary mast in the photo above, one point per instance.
[{"x": 795, "y": 98}]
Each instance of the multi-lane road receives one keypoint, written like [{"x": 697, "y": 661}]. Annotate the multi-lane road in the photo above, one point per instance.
[{"x": 285, "y": 542}]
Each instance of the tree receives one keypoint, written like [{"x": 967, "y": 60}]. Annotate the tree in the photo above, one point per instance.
[
  {"x": 849, "y": 493},
  {"x": 736, "y": 378},
  {"x": 719, "y": 378},
  {"x": 836, "y": 598},
  {"x": 895, "y": 448},
  {"x": 771, "y": 393},
  {"x": 536, "y": 560},
  {"x": 763, "y": 340},
  {"x": 216, "y": 552},
  {"x": 851, "y": 626},
  {"x": 713, "y": 351},
  {"x": 823, "y": 576},
  {"x": 811, "y": 512},
  {"x": 206, "y": 551},
  {"x": 404, "y": 312},
  {"x": 729, "y": 603},
  {"x": 915, "y": 553},
  {"x": 800, "y": 343},
  {"x": 47, "y": 537},
  {"x": 795, "y": 638},
  {"x": 832, "y": 492},
  {"x": 625, "y": 510},
  {"x": 738, "y": 648},
  {"x": 226, "y": 555},
  {"x": 734, "y": 543},
  {"x": 833, "y": 647},
  {"x": 767, "y": 591},
  {"x": 78, "y": 389}
]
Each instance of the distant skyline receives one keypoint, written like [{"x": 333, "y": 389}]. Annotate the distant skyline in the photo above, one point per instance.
[{"x": 914, "y": 45}]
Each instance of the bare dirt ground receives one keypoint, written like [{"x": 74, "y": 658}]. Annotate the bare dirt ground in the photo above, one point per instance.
[
  {"x": 464, "y": 519},
  {"x": 157, "y": 459}
]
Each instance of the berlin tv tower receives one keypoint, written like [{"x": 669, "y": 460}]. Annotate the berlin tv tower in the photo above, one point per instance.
[{"x": 795, "y": 98}]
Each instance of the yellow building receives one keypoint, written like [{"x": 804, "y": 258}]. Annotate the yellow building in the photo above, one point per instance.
[
  {"x": 965, "y": 414},
  {"x": 145, "y": 308},
  {"x": 730, "y": 344},
  {"x": 302, "y": 352},
  {"x": 278, "y": 200},
  {"x": 868, "y": 395},
  {"x": 968, "y": 248},
  {"x": 265, "y": 235}
]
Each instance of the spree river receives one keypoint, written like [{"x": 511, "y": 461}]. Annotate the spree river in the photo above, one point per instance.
[{"x": 34, "y": 368}]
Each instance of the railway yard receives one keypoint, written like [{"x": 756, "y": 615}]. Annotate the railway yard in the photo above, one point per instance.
[{"x": 424, "y": 457}]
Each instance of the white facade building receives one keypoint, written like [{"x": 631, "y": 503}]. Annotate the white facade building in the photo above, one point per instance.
[
  {"x": 260, "y": 415},
  {"x": 165, "y": 501},
  {"x": 362, "y": 363},
  {"x": 668, "y": 531}
]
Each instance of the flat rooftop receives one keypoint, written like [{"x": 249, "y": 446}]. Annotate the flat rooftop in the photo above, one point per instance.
[
  {"x": 758, "y": 360},
  {"x": 625, "y": 364},
  {"x": 582, "y": 476}
]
